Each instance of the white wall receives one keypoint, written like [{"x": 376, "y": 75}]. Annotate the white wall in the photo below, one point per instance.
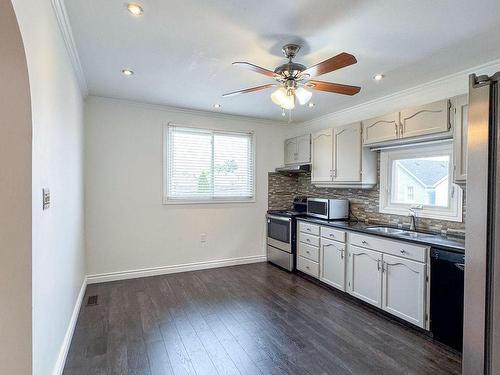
[
  {"x": 58, "y": 241},
  {"x": 15, "y": 199},
  {"x": 128, "y": 227}
]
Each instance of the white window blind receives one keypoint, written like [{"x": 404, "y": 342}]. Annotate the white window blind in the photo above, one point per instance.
[{"x": 208, "y": 165}]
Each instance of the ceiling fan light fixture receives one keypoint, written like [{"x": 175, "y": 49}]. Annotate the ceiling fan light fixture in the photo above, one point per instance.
[
  {"x": 303, "y": 96},
  {"x": 283, "y": 99}
]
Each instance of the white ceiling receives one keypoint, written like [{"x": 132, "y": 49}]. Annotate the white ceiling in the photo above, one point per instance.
[{"x": 181, "y": 51}]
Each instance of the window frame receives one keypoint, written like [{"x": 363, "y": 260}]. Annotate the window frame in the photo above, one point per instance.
[
  {"x": 212, "y": 199},
  {"x": 451, "y": 213}
]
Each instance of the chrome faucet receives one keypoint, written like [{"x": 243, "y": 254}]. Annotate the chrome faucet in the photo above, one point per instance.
[{"x": 413, "y": 219}]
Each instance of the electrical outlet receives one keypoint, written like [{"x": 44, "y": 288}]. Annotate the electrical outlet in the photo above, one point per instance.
[
  {"x": 46, "y": 198},
  {"x": 203, "y": 237}
]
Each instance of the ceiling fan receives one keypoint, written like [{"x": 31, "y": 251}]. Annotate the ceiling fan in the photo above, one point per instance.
[{"x": 293, "y": 78}]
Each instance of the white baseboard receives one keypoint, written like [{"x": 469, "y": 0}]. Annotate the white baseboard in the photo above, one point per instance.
[
  {"x": 63, "y": 352},
  {"x": 155, "y": 271}
]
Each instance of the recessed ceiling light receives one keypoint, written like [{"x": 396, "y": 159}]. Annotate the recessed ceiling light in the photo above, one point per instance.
[
  {"x": 135, "y": 9},
  {"x": 378, "y": 77},
  {"x": 217, "y": 105},
  {"x": 127, "y": 72},
  {"x": 311, "y": 104}
]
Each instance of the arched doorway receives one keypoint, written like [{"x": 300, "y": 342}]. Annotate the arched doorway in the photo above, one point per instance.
[{"x": 15, "y": 199}]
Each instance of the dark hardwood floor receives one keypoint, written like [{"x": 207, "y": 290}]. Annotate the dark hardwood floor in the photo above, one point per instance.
[{"x": 252, "y": 319}]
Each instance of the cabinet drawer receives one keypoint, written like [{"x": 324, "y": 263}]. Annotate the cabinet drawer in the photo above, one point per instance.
[
  {"x": 308, "y": 228},
  {"x": 309, "y": 239},
  {"x": 333, "y": 234},
  {"x": 308, "y": 266},
  {"x": 399, "y": 248},
  {"x": 308, "y": 251}
]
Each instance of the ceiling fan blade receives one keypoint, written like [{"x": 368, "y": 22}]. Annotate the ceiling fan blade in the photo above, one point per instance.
[
  {"x": 252, "y": 89},
  {"x": 333, "y": 87},
  {"x": 333, "y": 63},
  {"x": 256, "y": 69}
]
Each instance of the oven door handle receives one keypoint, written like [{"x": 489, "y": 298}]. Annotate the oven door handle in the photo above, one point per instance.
[{"x": 279, "y": 218}]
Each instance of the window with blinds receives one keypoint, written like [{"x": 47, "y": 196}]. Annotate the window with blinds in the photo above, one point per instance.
[{"x": 208, "y": 165}]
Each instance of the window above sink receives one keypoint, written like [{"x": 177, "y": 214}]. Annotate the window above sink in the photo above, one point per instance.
[{"x": 420, "y": 178}]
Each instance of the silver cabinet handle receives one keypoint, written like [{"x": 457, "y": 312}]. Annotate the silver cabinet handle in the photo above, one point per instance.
[
  {"x": 378, "y": 264},
  {"x": 308, "y": 252},
  {"x": 396, "y": 130},
  {"x": 332, "y": 235},
  {"x": 402, "y": 251},
  {"x": 401, "y": 130},
  {"x": 364, "y": 242},
  {"x": 308, "y": 229},
  {"x": 308, "y": 240}
]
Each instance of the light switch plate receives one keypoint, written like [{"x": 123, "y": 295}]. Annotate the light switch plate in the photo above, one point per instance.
[{"x": 46, "y": 198}]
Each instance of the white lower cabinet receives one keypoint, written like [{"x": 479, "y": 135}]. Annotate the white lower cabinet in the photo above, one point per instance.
[
  {"x": 389, "y": 274},
  {"x": 308, "y": 266},
  {"x": 365, "y": 281},
  {"x": 403, "y": 288},
  {"x": 332, "y": 270}
]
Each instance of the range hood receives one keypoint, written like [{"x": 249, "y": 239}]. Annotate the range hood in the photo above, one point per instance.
[{"x": 296, "y": 168}]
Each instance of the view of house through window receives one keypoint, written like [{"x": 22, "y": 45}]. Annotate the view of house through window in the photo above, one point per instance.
[
  {"x": 208, "y": 165},
  {"x": 420, "y": 178},
  {"x": 421, "y": 181}
]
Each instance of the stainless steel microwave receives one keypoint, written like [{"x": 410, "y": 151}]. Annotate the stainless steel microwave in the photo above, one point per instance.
[{"x": 328, "y": 209}]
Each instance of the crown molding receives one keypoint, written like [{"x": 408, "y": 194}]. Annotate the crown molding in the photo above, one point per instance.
[
  {"x": 69, "y": 42},
  {"x": 194, "y": 112},
  {"x": 457, "y": 82}
]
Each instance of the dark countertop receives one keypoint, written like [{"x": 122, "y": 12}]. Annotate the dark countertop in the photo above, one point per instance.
[{"x": 438, "y": 241}]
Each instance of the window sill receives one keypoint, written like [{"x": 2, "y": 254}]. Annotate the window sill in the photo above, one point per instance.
[{"x": 202, "y": 202}]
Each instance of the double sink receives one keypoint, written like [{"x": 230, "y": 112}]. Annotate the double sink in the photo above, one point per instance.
[{"x": 400, "y": 232}]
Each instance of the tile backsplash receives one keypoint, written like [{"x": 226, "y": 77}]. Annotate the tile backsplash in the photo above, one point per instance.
[{"x": 364, "y": 202}]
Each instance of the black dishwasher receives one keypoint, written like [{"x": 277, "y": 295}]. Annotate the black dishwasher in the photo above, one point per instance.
[{"x": 447, "y": 297}]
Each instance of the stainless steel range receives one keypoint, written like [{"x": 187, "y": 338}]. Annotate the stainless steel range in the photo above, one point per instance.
[{"x": 281, "y": 234}]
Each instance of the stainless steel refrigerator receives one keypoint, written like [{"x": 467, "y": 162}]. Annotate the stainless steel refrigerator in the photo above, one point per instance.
[{"x": 481, "y": 351}]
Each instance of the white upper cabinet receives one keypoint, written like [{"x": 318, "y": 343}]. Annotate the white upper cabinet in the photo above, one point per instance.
[
  {"x": 339, "y": 160},
  {"x": 365, "y": 281},
  {"x": 298, "y": 150},
  {"x": 460, "y": 106},
  {"x": 430, "y": 121},
  {"x": 322, "y": 156},
  {"x": 381, "y": 129},
  {"x": 290, "y": 150},
  {"x": 332, "y": 268},
  {"x": 304, "y": 149},
  {"x": 426, "y": 119},
  {"x": 347, "y": 153},
  {"x": 403, "y": 289}
]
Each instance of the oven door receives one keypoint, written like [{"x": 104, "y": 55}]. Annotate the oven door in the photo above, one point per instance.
[
  {"x": 279, "y": 232},
  {"x": 317, "y": 207}
]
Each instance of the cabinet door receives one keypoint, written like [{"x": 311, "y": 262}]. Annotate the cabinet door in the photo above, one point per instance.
[
  {"x": 332, "y": 264},
  {"x": 461, "y": 113},
  {"x": 291, "y": 151},
  {"x": 322, "y": 156},
  {"x": 381, "y": 129},
  {"x": 365, "y": 275},
  {"x": 304, "y": 149},
  {"x": 347, "y": 153},
  {"x": 403, "y": 289},
  {"x": 427, "y": 119}
]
